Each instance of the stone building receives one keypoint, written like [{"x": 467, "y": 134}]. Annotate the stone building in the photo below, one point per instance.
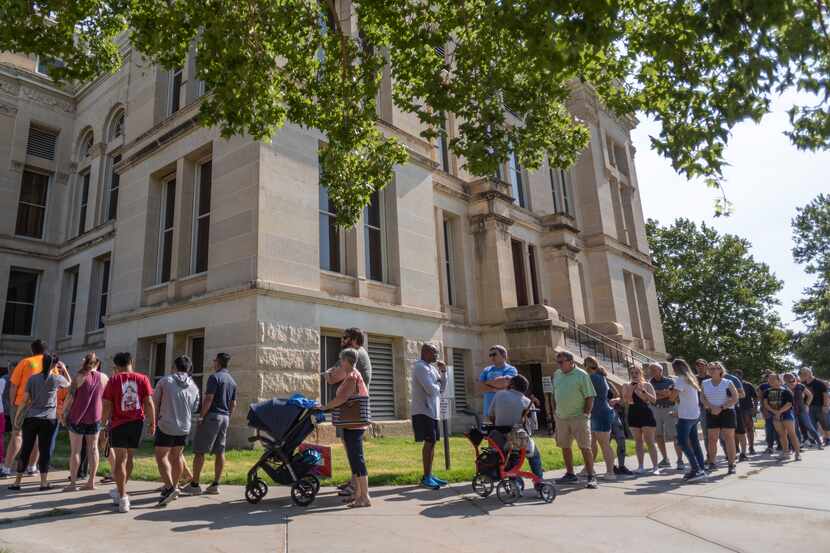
[{"x": 125, "y": 226}]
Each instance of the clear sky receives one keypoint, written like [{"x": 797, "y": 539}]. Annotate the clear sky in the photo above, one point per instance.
[{"x": 767, "y": 179}]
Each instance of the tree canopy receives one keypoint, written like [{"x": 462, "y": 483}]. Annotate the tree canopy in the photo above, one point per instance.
[
  {"x": 715, "y": 299},
  {"x": 698, "y": 66},
  {"x": 811, "y": 247}
]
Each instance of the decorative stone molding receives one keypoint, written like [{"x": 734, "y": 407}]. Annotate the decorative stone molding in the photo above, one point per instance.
[
  {"x": 62, "y": 178},
  {"x": 17, "y": 166},
  {"x": 9, "y": 88},
  {"x": 47, "y": 100},
  {"x": 7, "y": 109},
  {"x": 482, "y": 223}
]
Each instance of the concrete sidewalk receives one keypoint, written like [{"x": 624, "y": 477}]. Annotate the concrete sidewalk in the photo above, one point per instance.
[{"x": 767, "y": 506}]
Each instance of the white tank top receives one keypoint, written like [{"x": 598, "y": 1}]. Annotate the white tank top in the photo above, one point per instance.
[{"x": 716, "y": 395}]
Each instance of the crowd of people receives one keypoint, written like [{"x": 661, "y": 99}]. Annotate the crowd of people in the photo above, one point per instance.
[
  {"x": 110, "y": 413},
  {"x": 590, "y": 407}
]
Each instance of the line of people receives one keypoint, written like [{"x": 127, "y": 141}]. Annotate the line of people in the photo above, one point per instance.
[{"x": 119, "y": 408}]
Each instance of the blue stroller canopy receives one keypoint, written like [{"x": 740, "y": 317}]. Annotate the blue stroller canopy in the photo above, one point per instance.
[{"x": 277, "y": 416}]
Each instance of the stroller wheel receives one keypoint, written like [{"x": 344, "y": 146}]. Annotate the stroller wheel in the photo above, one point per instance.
[
  {"x": 547, "y": 492},
  {"x": 483, "y": 485},
  {"x": 304, "y": 490},
  {"x": 256, "y": 490},
  {"x": 508, "y": 491}
]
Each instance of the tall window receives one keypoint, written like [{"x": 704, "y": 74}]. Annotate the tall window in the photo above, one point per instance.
[
  {"x": 201, "y": 219},
  {"x": 168, "y": 206},
  {"x": 84, "y": 203},
  {"x": 175, "y": 93},
  {"x": 114, "y": 183},
  {"x": 448, "y": 258},
  {"x": 459, "y": 379},
  {"x": 329, "y": 352},
  {"x": 105, "y": 292},
  {"x": 443, "y": 146},
  {"x": 373, "y": 216},
  {"x": 117, "y": 126},
  {"x": 72, "y": 277},
  {"x": 197, "y": 355},
  {"x": 20, "y": 302},
  {"x": 159, "y": 354},
  {"x": 87, "y": 142},
  {"x": 519, "y": 272},
  {"x": 31, "y": 210},
  {"x": 329, "y": 234},
  {"x": 515, "y": 175},
  {"x": 560, "y": 189}
]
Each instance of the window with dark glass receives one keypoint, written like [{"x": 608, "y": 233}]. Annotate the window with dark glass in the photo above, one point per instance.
[
  {"x": 105, "y": 292},
  {"x": 534, "y": 283},
  {"x": 448, "y": 269},
  {"x": 84, "y": 203},
  {"x": 515, "y": 175},
  {"x": 114, "y": 183},
  {"x": 202, "y": 219},
  {"x": 20, "y": 302},
  {"x": 73, "y": 301},
  {"x": 373, "y": 223},
  {"x": 560, "y": 189},
  {"x": 31, "y": 210},
  {"x": 159, "y": 355},
  {"x": 197, "y": 355},
  {"x": 329, "y": 234},
  {"x": 329, "y": 357},
  {"x": 519, "y": 272},
  {"x": 176, "y": 77},
  {"x": 443, "y": 145},
  {"x": 166, "y": 237}
]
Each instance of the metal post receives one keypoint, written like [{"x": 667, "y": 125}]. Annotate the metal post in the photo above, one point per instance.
[{"x": 445, "y": 428}]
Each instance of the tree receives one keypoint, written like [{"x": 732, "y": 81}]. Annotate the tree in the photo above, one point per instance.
[
  {"x": 715, "y": 300},
  {"x": 811, "y": 247},
  {"x": 697, "y": 66}
]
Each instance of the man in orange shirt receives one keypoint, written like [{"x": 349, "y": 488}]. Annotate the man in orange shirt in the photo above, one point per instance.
[{"x": 20, "y": 376}]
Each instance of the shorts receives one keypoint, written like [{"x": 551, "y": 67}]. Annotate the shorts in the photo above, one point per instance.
[
  {"x": 740, "y": 427},
  {"x": 211, "y": 434},
  {"x": 641, "y": 417},
  {"x": 573, "y": 428},
  {"x": 601, "y": 422},
  {"x": 425, "y": 428},
  {"x": 127, "y": 435},
  {"x": 725, "y": 419},
  {"x": 85, "y": 429},
  {"x": 166, "y": 440},
  {"x": 666, "y": 419}
]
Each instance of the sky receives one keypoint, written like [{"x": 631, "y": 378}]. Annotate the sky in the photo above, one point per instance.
[{"x": 766, "y": 180}]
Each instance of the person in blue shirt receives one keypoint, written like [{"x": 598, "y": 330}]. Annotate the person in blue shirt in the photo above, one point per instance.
[{"x": 496, "y": 377}]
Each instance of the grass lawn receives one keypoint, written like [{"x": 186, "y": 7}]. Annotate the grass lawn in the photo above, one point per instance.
[{"x": 391, "y": 461}]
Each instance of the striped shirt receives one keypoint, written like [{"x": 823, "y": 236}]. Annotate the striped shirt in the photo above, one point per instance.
[{"x": 716, "y": 395}]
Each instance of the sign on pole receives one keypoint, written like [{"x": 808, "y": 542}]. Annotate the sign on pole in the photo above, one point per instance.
[
  {"x": 447, "y": 401},
  {"x": 547, "y": 384}
]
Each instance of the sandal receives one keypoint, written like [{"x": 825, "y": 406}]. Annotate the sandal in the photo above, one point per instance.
[
  {"x": 356, "y": 505},
  {"x": 87, "y": 487},
  {"x": 70, "y": 488},
  {"x": 47, "y": 487},
  {"x": 106, "y": 480}
]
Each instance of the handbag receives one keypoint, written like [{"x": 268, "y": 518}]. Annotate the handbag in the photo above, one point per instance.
[{"x": 355, "y": 412}]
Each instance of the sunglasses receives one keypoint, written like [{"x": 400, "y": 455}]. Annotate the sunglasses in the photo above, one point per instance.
[
  {"x": 562, "y": 360},
  {"x": 492, "y": 354}
]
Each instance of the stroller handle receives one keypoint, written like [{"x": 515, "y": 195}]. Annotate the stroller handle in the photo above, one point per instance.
[{"x": 472, "y": 414}]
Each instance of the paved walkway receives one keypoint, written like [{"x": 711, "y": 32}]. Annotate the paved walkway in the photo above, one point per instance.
[{"x": 767, "y": 507}]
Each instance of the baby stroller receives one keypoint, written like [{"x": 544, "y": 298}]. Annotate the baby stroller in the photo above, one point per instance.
[
  {"x": 500, "y": 469},
  {"x": 281, "y": 425}
]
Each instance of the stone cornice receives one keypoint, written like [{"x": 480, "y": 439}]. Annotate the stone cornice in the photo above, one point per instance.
[{"x": 603, "y": 242}]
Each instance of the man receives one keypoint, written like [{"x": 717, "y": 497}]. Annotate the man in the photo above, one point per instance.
[
  {"x": 428, "y": 382},
  {"x": 509, "y": 409},
  {"x": 770, "y": 435},
  {"x": 665, "y": 413},
  {"x": 496, "y": 377},
  {"x": 701, "y": 372},
  {"x": 353, "y": 339},
  {"x": 128, "y": 400},
  {"x": 573, "y": 398},
  {"x": 820, "y": 405},
  {"x": 740, "y": 428},
  {"x": 177, "y": 398},
  {"x": 211, "y": 434},
  {"x": 17, "y": 389},
  {"x": 747, "y": 407}
]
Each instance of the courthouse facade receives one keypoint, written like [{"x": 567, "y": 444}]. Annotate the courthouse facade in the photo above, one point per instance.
[{"x": 125, "y": 226}]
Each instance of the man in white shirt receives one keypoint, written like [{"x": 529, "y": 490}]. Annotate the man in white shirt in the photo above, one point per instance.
[{"x": 428, "y": 382}]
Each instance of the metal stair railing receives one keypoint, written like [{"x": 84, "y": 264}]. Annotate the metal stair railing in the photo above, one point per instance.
[{"x": 617, "y": 356}]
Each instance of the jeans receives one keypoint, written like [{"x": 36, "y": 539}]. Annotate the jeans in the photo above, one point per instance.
[
  {"x": 618, "y": 433},
  {"x": 704, "y": 428},
  {"x": 535, "y": 462},
  {"x": 806, "y": 427},
  {"x": 689, "y": 443},
  {"x": 819, "y": 417},
  {"x": 354, "y": 451},
  {"x": 771, "y": 434},
  {"x": 41, "y": 430}
]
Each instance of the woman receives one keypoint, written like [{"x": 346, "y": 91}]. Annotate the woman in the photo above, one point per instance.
[
  {"x": 40, "y": 402},
  {"x": 802, "y": 397},
  {"x": 778, "y": 401},
  {"x": 82, "y": 411},
  {"x": 638, "y": 394},
  {"x": 719, "y": 397},
  {"x": 351, "y": 384},
  {"x": 687, "y": 394},
  {"x": 602, "y": 415}
]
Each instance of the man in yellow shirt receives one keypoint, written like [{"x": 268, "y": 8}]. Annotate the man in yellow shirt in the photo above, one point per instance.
[{"x": 20, "y": 376}]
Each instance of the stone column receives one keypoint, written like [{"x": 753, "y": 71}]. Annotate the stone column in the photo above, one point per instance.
[
  {"x": 494, "y": 259},
  {"x": 562, "y": 274}
]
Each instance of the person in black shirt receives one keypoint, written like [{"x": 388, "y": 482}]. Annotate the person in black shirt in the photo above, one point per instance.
[
  {"x": 747, "y": 407},
  {"x": 820, "y": 406},
  {"x": 802, "y": 396},
  {"x": 778, "y": 401}
]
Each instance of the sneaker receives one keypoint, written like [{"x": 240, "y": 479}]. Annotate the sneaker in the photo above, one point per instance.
[
  {"x": 32, "y": 471},
  {"x": 430, "y": 484},
  {"x": 439, "y": 481},
  {"x": 624, "y": 471},
  {"x": 114, "y": 496},
  {"x": 592, "y": 482},
  {"x": 192, "y": 489},
  {"x": 345, "y": 491},
  {"x": 167, "y": 496},
  {"x": 711, "y": 467},
  {"x": 768, "y": 451},
  {"x": 797, "y": 456},
  {"x": 752, "y": 451},
  {"x": 657, "y": 471},
  {"x": 681, "y": 465},
  {"x": 213, "y": 489},
  {"x": 664, "y": 464},
  {"x": 731, "y": 469},
  {"x": 742, "y": 457},
  {"x": 568, "y": 478},
  {"x": 689, "y": 475},
  {"x": 640, "y": 471},
  {"x": 616, "y": 469},
  {"x": 609, "y": 476},
  {"x": 4, "y": 472},
  {"x": 698, "y": 476},
  {"x": 819, "y": 446},
  {"x": 124, "y": 505},
  {"x": 583, "y": 473}
]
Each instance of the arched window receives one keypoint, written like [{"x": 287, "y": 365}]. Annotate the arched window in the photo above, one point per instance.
[
  {"x": 116, "y": 129},
  {"x": 87, "y": 140}
]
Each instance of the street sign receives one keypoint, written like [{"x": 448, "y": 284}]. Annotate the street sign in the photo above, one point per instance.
[{"x": 547, "y": 384}]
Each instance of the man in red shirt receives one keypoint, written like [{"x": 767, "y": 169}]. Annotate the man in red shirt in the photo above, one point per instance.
[{"x": 128, "y": 400}]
